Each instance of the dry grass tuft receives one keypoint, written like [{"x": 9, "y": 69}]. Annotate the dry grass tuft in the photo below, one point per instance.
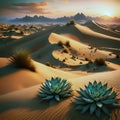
[{"x": 22, "y": 59}]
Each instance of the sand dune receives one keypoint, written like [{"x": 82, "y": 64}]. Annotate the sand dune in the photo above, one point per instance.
[
  {"x": 88, "y": 36},
  {"x": 22, "y": 41},
  {"x": 24, "y": 104},
  {"x": 21, "y": 79},
  {"x": 79, "y": 47},
  {"x": 18, "y": 87},
  {"x": 88, "y": 31},
  {"x": 98, "y": 28},
  {"x": 84, "y": 35},
  {"x": 12, "y": 79}
]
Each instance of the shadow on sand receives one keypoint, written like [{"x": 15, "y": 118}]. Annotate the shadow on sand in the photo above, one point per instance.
[
  {"x": 33, "y": 104},
  {"x": 9, "y": 69}
]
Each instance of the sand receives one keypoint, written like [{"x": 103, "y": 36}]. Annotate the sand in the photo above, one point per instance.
[{"x": 19, "y": 87}]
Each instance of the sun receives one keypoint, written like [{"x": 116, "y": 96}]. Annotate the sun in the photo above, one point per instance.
[{"x": 108, "y": 13}]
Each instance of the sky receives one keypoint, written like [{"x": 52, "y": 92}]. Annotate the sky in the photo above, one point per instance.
[{"x": 59, "y": 8}]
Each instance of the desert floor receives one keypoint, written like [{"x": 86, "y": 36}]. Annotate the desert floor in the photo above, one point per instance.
[{"x": 53, "y": 57}]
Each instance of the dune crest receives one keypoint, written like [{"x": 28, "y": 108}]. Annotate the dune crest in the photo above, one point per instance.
[{"x": 77, "y": 53}]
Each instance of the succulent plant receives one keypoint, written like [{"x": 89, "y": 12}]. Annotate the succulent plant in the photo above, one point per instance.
[
  {"x": 96, "y": 98},
  {"x": 55, "y": 89}
]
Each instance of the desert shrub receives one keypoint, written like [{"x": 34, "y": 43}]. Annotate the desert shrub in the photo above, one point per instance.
[
  {"x": 65, "y": 50},
  {"x": 117, "y": 56},
  {"x": 91, "y": 47},
  {"x": 80, "y": 62},
  {"x": 60, "y": 43},
  {"x": 73, "y": 57},
  {"x": 67, "y": 43},
  {"x": 54, "y": 90},
  {"x": 22, "y": 59},
  {"x": 100, "y": 62},
  {"x": 72, "y": 22},
  {"x": 110, "y": 54},
  {"x": 96, "y": 99},
  {"x": 22, "y": 32},
  {"x": 64, "y": 60},
  {"x": 49, "y": 64},
  {"x": 95, "y": 50},
  {"x": 86, "y": 59}
]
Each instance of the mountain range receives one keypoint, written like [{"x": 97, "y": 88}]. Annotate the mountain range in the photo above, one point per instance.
[{"x": 79, "y": 17}]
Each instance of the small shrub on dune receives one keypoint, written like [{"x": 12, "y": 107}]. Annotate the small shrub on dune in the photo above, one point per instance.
[
  {"x": 65, "y": 50},
  {"x": 22, "y": 59},
  {"x": 72, "y": 22},
  {"x": 22, "y": 32},
  {"x": 67, "y": 43},
  {"x": 96, "y": 99},
  {"x": 55, "y": 90},
  {"x": 100, "y": 62},
  {"x": 60, "y": 43},
  {"x": 49, "y": 64},
  {"x": 95, "y": 50},
  {"x": 117, "y": 56},
  {"x": 110, "y": 54}
]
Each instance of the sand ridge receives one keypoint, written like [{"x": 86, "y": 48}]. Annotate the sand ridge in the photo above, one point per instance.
[{"x": 19, "y": 87}]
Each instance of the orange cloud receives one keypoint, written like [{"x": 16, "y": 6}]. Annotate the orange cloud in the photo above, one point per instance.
[
  {"x": 61, "y": 0},
  {"x": 30, "y": 8},
  {"x": 31, "y": 4},
  {"x": 21, "y": 9}
]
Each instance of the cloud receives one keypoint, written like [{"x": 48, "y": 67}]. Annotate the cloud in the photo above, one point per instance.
[
  {"x": 33, "y": 8},
  {"x": 26, "y": 8},
  {"x": 31, "y": 4},
  {"x": 61, "y": 0}
]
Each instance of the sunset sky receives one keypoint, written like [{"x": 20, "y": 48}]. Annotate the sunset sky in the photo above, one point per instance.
[{"x": 58, "y": 8}]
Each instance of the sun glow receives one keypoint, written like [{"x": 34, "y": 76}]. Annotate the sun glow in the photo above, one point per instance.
[{"x": 108, "y": 13}]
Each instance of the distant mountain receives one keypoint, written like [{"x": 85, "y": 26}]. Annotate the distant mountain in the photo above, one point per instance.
[
  {"x": 32, "y": 19},
  {"x": 3, "y": 20},
  {"x": 79, "y": 17}
]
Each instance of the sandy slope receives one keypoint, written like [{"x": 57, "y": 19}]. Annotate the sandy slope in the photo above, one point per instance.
[
  {"x": 88, "y": 31},
  {"x": 18, "y": 87},
  {"x": 79, "y": 47},
  {"x": 12, "y": 79},
  {"x": 98, "y": 28},
  {"x": 82, "y": 33},
  {"x": 24, "y": 104},
  {"x": 94, "y": 38},
  {"x": 23, "y": 42}
]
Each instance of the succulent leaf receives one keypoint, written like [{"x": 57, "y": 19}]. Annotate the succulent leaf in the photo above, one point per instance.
[
  {"x": 112, "y": 96},
  {"x": 98, "y": 113},
  {"x": 109, "y": 101},
  {"x": 79, "y": 107},
  {"x": 92, "y": 108},
  {"x": 96, "y": 98},
  {"x": 87, "y": 100},
  {"x": 106, "y": 110},
  {"x": 55, "y": 89},
  {"x": 99, "y": 104},
  {"x": 85, "y": 108},
  {"x": 57, "y": 97}
]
